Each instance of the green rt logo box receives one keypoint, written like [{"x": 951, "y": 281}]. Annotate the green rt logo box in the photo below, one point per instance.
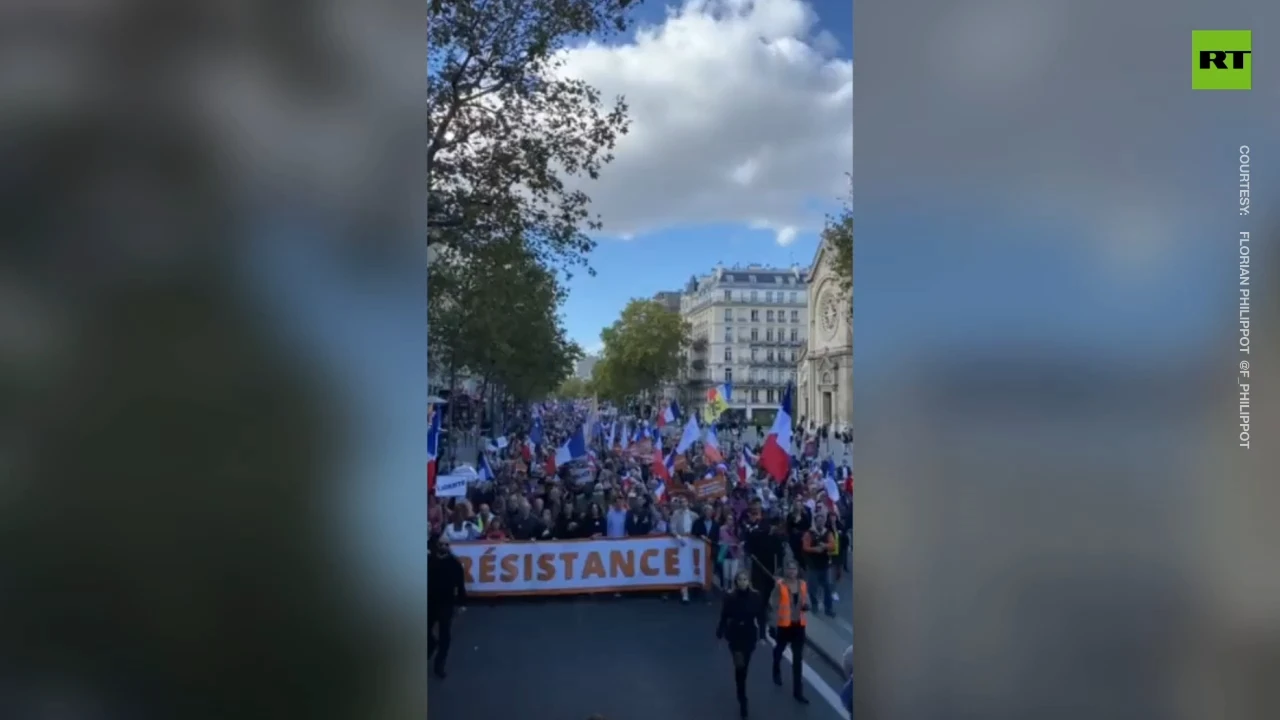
[{"x": 1221, "y": 60}]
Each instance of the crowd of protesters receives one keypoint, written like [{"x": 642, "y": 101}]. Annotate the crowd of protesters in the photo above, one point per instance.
[
  {"x": 755, "y": 522},
  {"x": 760, "y": 526}
]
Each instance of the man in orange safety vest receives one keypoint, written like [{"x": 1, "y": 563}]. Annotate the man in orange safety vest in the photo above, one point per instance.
[{"x": 790, "y": 605}]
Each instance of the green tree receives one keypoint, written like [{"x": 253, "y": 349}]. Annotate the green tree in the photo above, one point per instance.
[
  {"x": 605, "y": 382},
  {"x": 575, "y": 387},
  {"x": 838, "y": 234},
  {"x": 506, "y": 129},
  {"x": 642, "y": 348},
  {"x": 496, "y": 315}
]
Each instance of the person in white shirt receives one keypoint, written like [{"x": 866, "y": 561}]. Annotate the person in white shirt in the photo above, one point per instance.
[
  {"x": 681, "y": 525},
  {"x": 459, "y": 528}
]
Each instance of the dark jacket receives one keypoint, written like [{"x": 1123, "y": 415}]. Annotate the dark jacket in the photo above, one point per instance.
[
  {"x": 562, "y": 531},
  {"x": 639, "y": 523},
  {"x": 593, "y": 526},
  {"x": 704, "y": 528},
  {"x": 815, "y": 559},
  {"x": 796, "y": 530},
  {"x": 743, "y": 620},
  {"x": 525, "y": 528},
  {"x": 754, "y": 535},
  {"x": 446, "y": 582}
]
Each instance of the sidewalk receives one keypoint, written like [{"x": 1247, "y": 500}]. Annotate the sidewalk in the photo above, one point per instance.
[{"x": 828, "y": 638}]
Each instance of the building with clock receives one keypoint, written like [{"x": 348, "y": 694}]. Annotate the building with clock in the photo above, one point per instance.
[{"x": 824, "y": 373}]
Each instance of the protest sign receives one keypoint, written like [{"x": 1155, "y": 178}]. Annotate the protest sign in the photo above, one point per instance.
[
  {"x": 712, "y": 488},
  {"x": 451, "y": 485},
  {"x": 584, "y": 566},
  {"x": 642, "y": 450}
]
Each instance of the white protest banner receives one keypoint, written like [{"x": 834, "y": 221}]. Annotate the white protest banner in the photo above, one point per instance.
[
  {"x": 657, "y": 562},
  {"x": 451, "y": 485}
]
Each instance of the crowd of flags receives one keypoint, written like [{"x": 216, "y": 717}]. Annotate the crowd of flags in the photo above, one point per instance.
[{"x": 775, "y": 457}]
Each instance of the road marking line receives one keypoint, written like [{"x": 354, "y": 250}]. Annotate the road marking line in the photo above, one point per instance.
[{"x": 824, "y": 690}]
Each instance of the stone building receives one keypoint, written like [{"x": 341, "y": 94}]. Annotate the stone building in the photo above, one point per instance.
[
  {"x": 824, "y": 387},
  {"x": 752, "y": 321}
]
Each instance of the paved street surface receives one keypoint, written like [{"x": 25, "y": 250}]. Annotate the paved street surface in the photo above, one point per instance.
[{"x": 630, "y": 658}]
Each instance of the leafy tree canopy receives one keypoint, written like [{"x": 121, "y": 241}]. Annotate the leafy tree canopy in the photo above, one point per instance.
[
  {"x": 605, "y": 382},
  {"x": 642, "y": 349},
  {"x": 838, "y": 234},
  {"x": 506, "y": 128},
  {"x": 497, "y": 314},
  {"x": 575, "y": 387}
]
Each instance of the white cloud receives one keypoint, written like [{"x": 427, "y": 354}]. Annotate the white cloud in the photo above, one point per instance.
[{"x": 740, "y": 113}]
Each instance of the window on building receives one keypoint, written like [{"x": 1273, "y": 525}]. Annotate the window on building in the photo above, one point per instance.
[
  {"x": 768, "y": 296},
  {"x": 753, "y": 296},
  {"x": 795, "y": 316},
  {"x": 773, "y": 377},
  {"x": 728, "y": 334},
  {"x": 728, "y": 314},
  {"x": 755, "y": 396},
  {"x": 769, "y": 316},
  {"x": 795, "y": 297},
  {"x": 795, "y": 334},
  {"x": 777, "y": 279},
  {"x": 768, "y": 395},
  {"x": 728, "y": 295},
  {"x": 768, "y": 335},
  {"x": 755, "y": 335},
  {"x": 728, "y": 375},
  {"x": 728, "y": 278},
  {"x": 751, "y": 278},
  {"x": 793, "y": 356},
  {"x": 754, "y": 354},
  {"x": 728, "y": 354},
  {"x": 755, "y": 316},
  {"x": 769, "y": 356}
]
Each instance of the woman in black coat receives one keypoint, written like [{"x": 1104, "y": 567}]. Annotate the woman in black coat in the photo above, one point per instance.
[{"x": 743, "y": 623}]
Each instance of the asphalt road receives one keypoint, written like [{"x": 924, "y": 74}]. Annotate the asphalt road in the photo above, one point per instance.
[{"x": 630, "y": 658}]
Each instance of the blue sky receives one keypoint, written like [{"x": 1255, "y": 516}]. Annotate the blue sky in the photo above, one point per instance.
[
  {"x": 664, "y": 261},
  {"x": 663, "y": 253}
]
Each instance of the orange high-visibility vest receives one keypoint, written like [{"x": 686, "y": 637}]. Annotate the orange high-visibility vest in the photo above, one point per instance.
[{"x": 784, "y": 604}]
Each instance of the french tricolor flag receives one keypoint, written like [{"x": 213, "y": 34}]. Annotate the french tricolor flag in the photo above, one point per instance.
[
  {"x": 745, "y": 461},
  {"x": 711, "y": 447},
  {"x": 669, "y": 414},
  {"x": 775, "y": 456},
  {"x": 661, "y": 467},
  {"x": 433, "y": 445},
  {"x": 829, "y": 483}
]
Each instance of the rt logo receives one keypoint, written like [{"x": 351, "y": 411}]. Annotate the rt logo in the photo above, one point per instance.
[{"x": 1221, "y": 60}]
